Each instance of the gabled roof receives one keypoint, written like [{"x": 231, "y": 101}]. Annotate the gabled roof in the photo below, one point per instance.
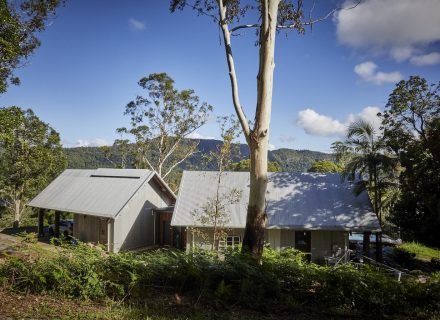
[
  {"x": 100, "y": 192},
  {"x": 301, "y": 201}
]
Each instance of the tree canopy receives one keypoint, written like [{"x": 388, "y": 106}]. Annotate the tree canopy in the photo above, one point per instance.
[
  {"x": 325, "y": 166},
  {"x": 31, "y": 155},
  {"x": 371, "y": 163},
  {"x": 244, "y": 165},
  {"x": 20, "y": 23},
  {"x": 411, "y": 126},
  {"x": 160, "y": 123}
]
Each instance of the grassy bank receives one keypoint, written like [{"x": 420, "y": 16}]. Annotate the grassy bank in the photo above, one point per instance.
[
  {"x": 164, "y": 284},
  {"x": 421, "y": 251}
]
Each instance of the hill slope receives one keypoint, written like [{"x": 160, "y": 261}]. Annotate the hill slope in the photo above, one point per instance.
[{"x": 290, "y": 160}]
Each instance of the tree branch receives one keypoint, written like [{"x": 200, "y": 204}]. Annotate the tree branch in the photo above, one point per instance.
[
  {"x": 179, "y": 162},
  {"x": 170, "y": 152},
  {"x": 311, "y": 22},
  {"x": 305, "y": 23},
  {"x": 244, "y": 26},
  {"x": 232, "y": 75}
]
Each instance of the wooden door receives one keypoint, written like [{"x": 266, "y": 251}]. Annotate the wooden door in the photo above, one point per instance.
[{"x": 165, "y": 231}]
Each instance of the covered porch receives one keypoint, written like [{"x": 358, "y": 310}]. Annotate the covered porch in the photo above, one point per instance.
[{"x": 86, "y": 228}]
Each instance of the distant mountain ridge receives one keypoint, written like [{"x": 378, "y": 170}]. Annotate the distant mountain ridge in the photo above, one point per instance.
[{"x": 290, "y": 160}]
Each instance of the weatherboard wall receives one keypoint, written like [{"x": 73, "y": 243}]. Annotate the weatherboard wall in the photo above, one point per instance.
[
  {"x": 323, "y": 243},
  {"x": 134, "y": 225}
]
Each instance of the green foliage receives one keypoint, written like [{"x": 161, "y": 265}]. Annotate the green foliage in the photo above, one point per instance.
[
  {"x": 160, "y": 123},
  {"x": 343, "y": 153},
  {"x": 420, "y": 251},
  {"x": 297, "y": 160},
  {"x": 20, "y": 22},
  {"x": 30, "y": 157},
  {"x": 325, "y": 166},
  {"x": 370, "y": 163},
  {"x": 214, "y": 212},
  {"x": 411, "y": 123},
  {"x": 284, "y": 281},
  {"x": 244, "y": 165},
  {"x": 404, "y": 257},
  {"x": 289, "y": 160}
]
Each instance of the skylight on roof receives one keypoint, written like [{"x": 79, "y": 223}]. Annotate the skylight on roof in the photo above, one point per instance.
[{"x": 118, "y": 173}]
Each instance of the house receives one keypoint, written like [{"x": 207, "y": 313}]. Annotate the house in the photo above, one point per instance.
[
  {"x": 312, "y": 212},
  {"x": 114, "y": 207}
]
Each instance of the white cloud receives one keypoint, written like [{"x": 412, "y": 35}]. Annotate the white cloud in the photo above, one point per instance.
[
  {"x": 136, "y": 24},
  {"x": 286, "y": 138},
  {"x": 401, "y": 28},
  {"x": 401, "y": 53},
  {"x": 426, "y": 59},
  {"x": 317, "y": 124},
  {"x": 97, "y": 142},
  {"x": 369, "y": 73},
  {"x": 368, "y": 114},
  {"x": 271, "y": 147},
  {"x": 198, "y": 136}
]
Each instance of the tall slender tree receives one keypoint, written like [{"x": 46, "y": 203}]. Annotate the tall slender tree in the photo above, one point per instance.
[
  {"x": 215, "y": 211},
  {"x": 272, "y": 16}
]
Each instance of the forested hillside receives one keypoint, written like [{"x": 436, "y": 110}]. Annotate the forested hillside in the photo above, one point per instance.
[{"x": 290, "y": 160}]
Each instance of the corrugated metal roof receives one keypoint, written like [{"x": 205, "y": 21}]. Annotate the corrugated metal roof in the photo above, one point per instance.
[
  {"x": 309, "y": 201},
  {"x": 101, "y": 192}
]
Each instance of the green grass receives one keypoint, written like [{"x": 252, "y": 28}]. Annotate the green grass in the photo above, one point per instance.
[{"x": 421, "y": 251}]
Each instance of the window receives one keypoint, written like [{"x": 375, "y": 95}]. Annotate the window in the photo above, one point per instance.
[
  {"x": 229, "y": 241},
  {"x": 232, "y": 241}
]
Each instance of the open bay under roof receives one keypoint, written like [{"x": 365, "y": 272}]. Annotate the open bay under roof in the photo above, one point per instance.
[
  {"x": 100, "y": 192},
  {"x": 300, "y": 201}
]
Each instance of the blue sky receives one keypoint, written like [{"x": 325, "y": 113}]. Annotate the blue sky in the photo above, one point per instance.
[{"x": 94, "y": 52}]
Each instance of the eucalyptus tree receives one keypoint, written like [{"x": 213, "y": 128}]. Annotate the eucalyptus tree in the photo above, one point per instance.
[
  {"x": 160, "y": 123},
  {"x": 31, "y": 155},
  {"x": 21, "y": 21},
  {"x": 270, "y": 16}
]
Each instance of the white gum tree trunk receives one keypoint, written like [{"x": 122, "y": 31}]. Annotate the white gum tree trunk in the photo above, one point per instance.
[{"x": 257, "y": 138}]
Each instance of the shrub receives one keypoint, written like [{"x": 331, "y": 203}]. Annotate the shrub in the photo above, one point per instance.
[{"x": 284, "y": 281}]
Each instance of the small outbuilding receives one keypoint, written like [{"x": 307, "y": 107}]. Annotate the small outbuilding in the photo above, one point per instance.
[
  {"x": 113, "y": 207},
  {"x": 312, "y": 212}
]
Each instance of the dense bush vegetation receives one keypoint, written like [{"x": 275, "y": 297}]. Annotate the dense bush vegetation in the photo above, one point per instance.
[
  {"x": 284, "y": 282},
  {"x": 290, "y": 160}
]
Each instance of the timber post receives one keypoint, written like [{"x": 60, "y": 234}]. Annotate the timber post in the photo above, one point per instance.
[
  {"x": 366, "y": 243},
  {"x": 57, "y": 224},
  {"x": 41, "y": 213},
  {"x": 379, "y": 246}
]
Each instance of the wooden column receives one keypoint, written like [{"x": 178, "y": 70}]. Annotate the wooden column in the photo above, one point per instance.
[
  {"x": 57, "y": 224},
  {"x": 110, "y": 235},
  {"x": 379, "y": 246},
  {"x": 366, "y": 243},
  {"x": 41, "y": 222}
]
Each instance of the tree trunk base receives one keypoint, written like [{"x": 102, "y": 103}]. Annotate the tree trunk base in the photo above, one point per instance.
[{"x": 253, "y": 240}]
